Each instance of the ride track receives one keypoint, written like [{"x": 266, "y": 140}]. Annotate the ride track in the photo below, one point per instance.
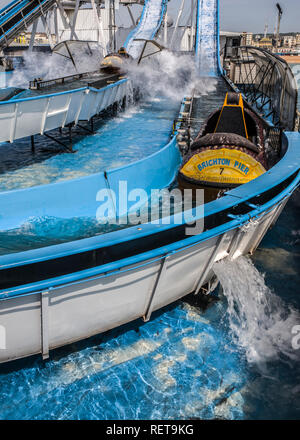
[
  {"x": 18, "y": 15},
  {"x": 59, "y": 294},
  {"x": 39, "y": 114}
]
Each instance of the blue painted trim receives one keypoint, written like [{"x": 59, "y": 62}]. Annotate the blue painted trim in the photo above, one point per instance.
[
  {"x": 79, "y": 198},
  {"x": 135, "y": 30},
  {"x": 76, "y": 198},
  {"x": 8, "y": 6},
  {"x": 66, "y": 92},
  {"x": 109, "y": 86},
  {"x": 24, "y": 17},
  {"x": 17, "y": 7}
]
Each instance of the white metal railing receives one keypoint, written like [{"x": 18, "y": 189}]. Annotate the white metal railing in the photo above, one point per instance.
[{"x": 20, "y": 118}]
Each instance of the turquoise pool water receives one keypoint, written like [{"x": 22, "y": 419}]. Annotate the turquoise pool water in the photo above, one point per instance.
[{"x": 131, "y": 135}]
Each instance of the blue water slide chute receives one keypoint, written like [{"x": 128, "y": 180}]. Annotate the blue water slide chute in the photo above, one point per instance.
[
  {"x": 148, "y": 26},
  {"x": 207, "y": 48}
]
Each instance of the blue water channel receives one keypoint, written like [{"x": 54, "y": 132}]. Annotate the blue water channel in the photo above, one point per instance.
[
  {"x": 131, "y": 135},
  {"x": 137, "y": 132}
]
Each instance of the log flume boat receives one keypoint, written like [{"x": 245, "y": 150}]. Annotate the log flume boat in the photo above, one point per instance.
[
  {"x": 114, "y": 62},
  {"x": 228, "y": 151}
]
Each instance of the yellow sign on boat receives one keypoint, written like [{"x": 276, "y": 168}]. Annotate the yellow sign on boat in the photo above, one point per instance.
[{"x": 222, "y": 166}]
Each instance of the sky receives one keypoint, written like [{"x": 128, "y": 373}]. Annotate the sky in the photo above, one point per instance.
[
  {"x": 252, "y": 15},
  {"x": 243, "y": 15}
]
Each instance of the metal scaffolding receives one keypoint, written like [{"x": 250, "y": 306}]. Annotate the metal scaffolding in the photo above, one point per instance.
[{"x": 268, "y": 83}]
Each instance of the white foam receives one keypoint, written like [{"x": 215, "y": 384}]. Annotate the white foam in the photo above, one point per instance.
[
  {"x": 167, "y": 75},
  {"x": 260, "y": 322}
]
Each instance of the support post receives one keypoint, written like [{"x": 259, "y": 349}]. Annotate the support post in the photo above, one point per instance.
[
  {"x": 110, "y": 25},
  {"x": 177, "y": 22},
  {"x": 98, "y": 18},
  {"x": 73, "y": 25},
  {"x": 65, "y": 18},
  {"x": 44, "y": 20},
  {"x": 199, "y": 282},
  {"x": 192, "y": 26},
  {"x": 70, "y": 136},
  {"x": 45, "y": 324},
  {"x": 32, "y": 37},
  {"x": 67, "y": 147},
  {"x": 56, "y": 25},
  {"x": 131, "y": 16},
  {"x": 157, "y": 285}
]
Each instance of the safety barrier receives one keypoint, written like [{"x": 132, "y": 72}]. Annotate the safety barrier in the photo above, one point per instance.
[
  {"x": 20, "y": 118},
  {"x": 268, "y": 83}
]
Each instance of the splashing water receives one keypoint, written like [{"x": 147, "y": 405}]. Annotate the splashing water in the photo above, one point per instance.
[
  {"x": 169, "y": 75},
  {"x": 259, "y": 320},
  {"x": 48, "y": 66}
]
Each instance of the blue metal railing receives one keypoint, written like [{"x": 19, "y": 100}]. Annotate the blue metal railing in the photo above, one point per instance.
[{"x": 18, "y": 15}]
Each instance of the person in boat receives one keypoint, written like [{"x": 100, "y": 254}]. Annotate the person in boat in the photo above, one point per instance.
[
  {"x": 123, "y": 52},
  {"x": 228, "y": 151}
]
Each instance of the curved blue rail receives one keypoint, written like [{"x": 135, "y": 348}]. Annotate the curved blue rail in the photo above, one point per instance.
[
  {"x": 78, "y": 197},
  {"x": 148, "y": 26},
  {"x": 18, "y": 15}
]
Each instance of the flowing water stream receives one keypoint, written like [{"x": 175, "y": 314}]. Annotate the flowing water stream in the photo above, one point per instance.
[{"x": 260, "y": 322}]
